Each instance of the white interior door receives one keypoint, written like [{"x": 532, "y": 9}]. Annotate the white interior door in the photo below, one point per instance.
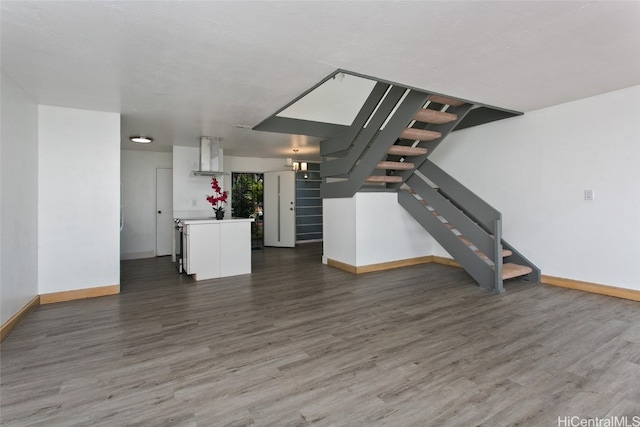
[
  {"x": 280, "y": 209},
  {"x": 164, "y": 211}
]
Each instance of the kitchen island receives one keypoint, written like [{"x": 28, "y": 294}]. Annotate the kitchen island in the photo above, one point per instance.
[{"x": 217, "y": 248}]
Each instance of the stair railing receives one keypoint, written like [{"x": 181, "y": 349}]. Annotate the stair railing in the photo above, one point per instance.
[
  {"x": 466, "y": 200},
  {"x": 477, "y": 267}
]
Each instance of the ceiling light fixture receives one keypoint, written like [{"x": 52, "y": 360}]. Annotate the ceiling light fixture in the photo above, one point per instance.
[
  {"x": 295, "y": 165},
  {"x": 141, "y": 139}
]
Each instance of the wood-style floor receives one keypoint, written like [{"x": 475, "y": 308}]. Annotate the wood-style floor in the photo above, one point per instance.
[{"x": 299, "y": 343}]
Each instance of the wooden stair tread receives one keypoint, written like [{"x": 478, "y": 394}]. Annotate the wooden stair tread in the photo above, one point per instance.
[
  {"x": 385, "y": 164},
  {"x": 415, "y": 134},
  {"x": 384, "y": 178},
  {"x": 505, "y": 253},
  {"x": 434, "y": 116},
  {"x": 511, "y": 270},
  {"x": 405, "y": 150},
  {"x": 446, "y": 101}
]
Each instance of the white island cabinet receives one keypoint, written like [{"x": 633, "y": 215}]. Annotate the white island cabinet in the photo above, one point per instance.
[{"x": 217, "y": 248}]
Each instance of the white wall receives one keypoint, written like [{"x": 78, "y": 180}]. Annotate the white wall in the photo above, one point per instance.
[
  {"x": 339, "y": 230},
  {"x": 138, "y": 175},
  {"x": 535, "y": 168},
  {"x": 371, "y": 228},
  {"x": 190, "y": 192},
  {"x": 253, "y": 164},
  {"x": 18, "y": 199},
  {"x": 78, "y": 199},
  {"x": 386, "y": 232}
]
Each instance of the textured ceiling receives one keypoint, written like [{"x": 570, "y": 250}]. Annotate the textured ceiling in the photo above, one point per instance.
[{"x": 180, "y": 70}]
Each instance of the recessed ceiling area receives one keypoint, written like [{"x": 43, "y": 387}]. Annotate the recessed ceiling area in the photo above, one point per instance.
[
  {"x": 332, "y": 105},
  {"x": 176, "y": 71},
  {"x": 337, "y": 100}
]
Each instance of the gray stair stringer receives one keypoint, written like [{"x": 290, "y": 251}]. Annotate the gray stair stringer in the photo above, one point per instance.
[
  {"x": 378, "y": 148},
  {"x": 477, "y": 268},
  {"x": 343, "y": 141},
  {"x": 472, "y": 205},
  {"x": 341, "y": 167},
  {"x": 467, "y": 227},
  {"x": 477, "y": 210},
  {"x": 444, "y": 129},
  {"x": 517, "y": 258}
]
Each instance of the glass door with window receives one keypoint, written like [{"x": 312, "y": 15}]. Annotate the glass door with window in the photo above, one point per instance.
[{"x": 247, "y": 201}]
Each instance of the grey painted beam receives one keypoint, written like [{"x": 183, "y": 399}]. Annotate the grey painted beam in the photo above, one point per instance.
[
  {"x": 483, "y": 115},
  {"x": 301, "y": 127}
]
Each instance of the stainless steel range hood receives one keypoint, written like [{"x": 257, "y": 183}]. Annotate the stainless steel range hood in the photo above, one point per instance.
[{"x": 210, "y": 157}]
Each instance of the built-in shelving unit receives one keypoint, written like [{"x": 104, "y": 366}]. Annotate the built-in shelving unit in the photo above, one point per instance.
[{"x": 308, "y": 204}]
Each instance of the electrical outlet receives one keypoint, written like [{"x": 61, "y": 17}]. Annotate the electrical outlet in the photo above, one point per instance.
[{"x": 588, "y": 194}]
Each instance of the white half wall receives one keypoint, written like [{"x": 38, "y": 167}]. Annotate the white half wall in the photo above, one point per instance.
[
  {"x": 535, "y": 169},
  {"x": 18, "y": 199},
  {"x": 138, "y": 177},
  {"x": 339, "y": 230},
  {"x": 371, "y": 228},
  {"x": 386, "y": 232},
  {"x": 78, "y": 199}
]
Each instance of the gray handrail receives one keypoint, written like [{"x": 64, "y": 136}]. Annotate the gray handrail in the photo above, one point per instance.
[
  {"x": 472, "y": 204},
  {"x": 476, "y": 267},
  {"x": 472, "y": 231}
]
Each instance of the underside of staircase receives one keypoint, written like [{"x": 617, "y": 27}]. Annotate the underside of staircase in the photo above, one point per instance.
[{"x": 386, "y": 149}]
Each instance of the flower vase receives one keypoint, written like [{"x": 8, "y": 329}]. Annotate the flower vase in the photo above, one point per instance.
[{"x": 219, "y": 214}]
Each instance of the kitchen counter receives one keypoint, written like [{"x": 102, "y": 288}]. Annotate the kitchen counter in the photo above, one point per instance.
[
  {"x": 217, "y": 248},
  {"x": 213, "y": 220}
]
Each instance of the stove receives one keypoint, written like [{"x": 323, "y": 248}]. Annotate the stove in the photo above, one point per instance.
[{"x": 179, "y": 245}]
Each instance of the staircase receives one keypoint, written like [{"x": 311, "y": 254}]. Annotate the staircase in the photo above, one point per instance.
[{"x": 387, "y": 148}]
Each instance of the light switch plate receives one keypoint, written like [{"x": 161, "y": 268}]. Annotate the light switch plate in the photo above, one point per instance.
[{"x": 588, "y": 194}]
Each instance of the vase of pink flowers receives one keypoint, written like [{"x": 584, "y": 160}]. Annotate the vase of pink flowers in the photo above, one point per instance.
[{"x": 218, "y": 199}]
